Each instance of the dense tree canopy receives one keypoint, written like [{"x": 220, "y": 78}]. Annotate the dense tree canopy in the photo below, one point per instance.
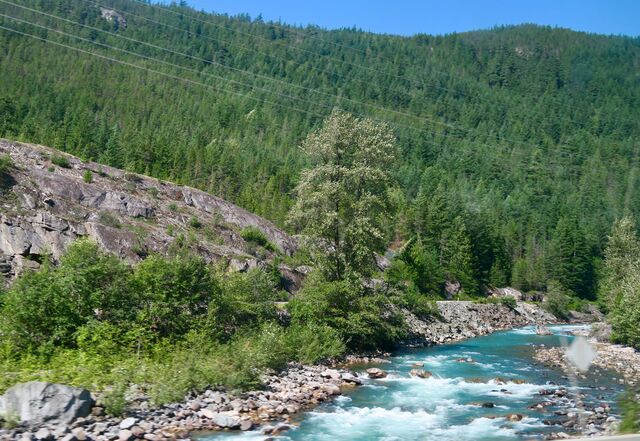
[{"x": 526, "y": 136}]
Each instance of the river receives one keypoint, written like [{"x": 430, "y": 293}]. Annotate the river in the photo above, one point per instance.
[{"x": 449, "y": 405}]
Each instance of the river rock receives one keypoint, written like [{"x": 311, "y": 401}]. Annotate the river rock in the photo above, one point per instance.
[
  {"x": 420, "y": 373},
  {"x": 36, "y": 403},
  {"x": 128, "y": 423},
  {"x": 226, "y": 421},
  {"x": 246, "y": 425},
  {"x": 376, "y": 373},
  {"x": 43, "y": 434},
  {"x": 514, "y": 417},
  {"x": 125, "y": 435}
]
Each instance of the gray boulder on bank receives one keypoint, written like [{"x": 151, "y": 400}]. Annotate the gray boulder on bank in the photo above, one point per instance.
[{"x": 36, "y": 402}]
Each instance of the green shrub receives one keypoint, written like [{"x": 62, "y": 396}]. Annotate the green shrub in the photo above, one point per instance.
[
  {"x": 247, "y": 298},
  {"x": 87, "y": 176},
  {"x": 173, "y": 207},
  {"x": 61, "y": 161},
  {"x": 313, "y": 342},
  {"x": 114, "y": 398},
  {"x": 50, "y": 305},
  {"x": 630, "y": 409},
  {"x": 419, "y": 304},
  {"x": 254, "y": 235},
  {"x": 363, "y": 319},
  {"x": 194, "y": 222},
  {"x": 509, "y": 302},
  {"x": 6, "y": 163},
  {"x": 173, "y": 294}
]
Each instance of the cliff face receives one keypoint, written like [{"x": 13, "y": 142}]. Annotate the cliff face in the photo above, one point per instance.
[{"x": 48, "y": 199}]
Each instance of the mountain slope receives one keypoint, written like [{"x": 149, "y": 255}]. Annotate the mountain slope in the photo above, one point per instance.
[{"x": 521, "y": 131}]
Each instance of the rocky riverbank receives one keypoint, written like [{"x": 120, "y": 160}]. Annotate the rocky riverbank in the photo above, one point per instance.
[
  {"x": 610, "y": 358},
  {"x": 284, "y": 395},
  {"x": 623, "y": 360},
  {"x": 459, "y": 320},
  {"x": 295, "y": 389}
]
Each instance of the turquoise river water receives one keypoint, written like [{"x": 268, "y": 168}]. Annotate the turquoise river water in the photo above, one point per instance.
[{"x": 448, "y": 406}]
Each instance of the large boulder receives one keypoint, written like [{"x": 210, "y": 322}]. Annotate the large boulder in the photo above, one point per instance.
[{"x": 36, "y": 402}]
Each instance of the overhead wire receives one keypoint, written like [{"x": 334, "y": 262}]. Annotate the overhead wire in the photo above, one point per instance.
[
  {"x": 210, "y": 62},
  {"x": 511, "y": 153},
  {"x": 220, "y": 89},
  {"x": 444, "y": 124}
]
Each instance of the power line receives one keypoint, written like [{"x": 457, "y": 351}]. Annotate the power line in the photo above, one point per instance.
[
  {"x": 359, "y": 66},
  {"x": 231, "y": 43},
  {"x": 218, "y": 89},
  {"x": 157, "y": 72},
  {"x": 373, "y": 106},
  {"x": 431, "y": 120},
  {"x": 158, "y": 60}
]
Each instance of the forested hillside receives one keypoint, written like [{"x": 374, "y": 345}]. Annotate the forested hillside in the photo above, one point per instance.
[{"x": 519, "y": 146}]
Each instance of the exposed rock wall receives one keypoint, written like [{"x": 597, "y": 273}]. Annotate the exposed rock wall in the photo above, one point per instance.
[
  {"x": 44, "y": 207},
  {"x": 460, "y": 320}
]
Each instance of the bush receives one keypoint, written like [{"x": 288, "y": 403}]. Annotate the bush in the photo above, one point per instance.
[
  {"x": 87, "y": 176},
  {"x": 246, "y": 299},
  {"x": 108, "y": 219},
  {"x": 364, "y": 320},
  {"x": 509, "y": 302},
  {"x": 61, "y": 161},
  {"x": 253, "y": 234},
  {"x": 194, "y": 222},
  {"x": 173, "y": 294},
  {"x": 630, "y": 409},
  {"x": 49, "y": 306},
  {"x": 419, "y": 304},
  {"x": 313, "y": 342},
  {"x": 6, "y": 163}
]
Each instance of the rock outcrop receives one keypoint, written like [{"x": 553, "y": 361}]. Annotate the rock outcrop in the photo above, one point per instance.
[
  {"x": 44, "y": 207},
  {"x": 36, "y": 403},
  {"x": 460, "y": 320}
]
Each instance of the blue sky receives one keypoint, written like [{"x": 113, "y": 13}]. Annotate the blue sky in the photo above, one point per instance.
[{"x": 408, "y": 17}]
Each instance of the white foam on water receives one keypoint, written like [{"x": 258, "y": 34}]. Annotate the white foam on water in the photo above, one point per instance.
[
  {"x": 342, "y": 399},
  {"x": 425, "y": 390},
  {"x": 555, "y": 329},
  {"x": 372, "y": 423},
  {"x": 478, "y": 429},
  {"x": 527, "y": 330}
]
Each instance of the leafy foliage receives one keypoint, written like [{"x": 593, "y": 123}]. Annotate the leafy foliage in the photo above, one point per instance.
[
  {"x": 342, "y": 202},
  {"x": 620, "y": 285},
  {"x": 60, "y": 161},
  {"x": 362, "y": 318},
  {"x": 5, "y": 163},
  {"x": 172, "y": 324}
]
